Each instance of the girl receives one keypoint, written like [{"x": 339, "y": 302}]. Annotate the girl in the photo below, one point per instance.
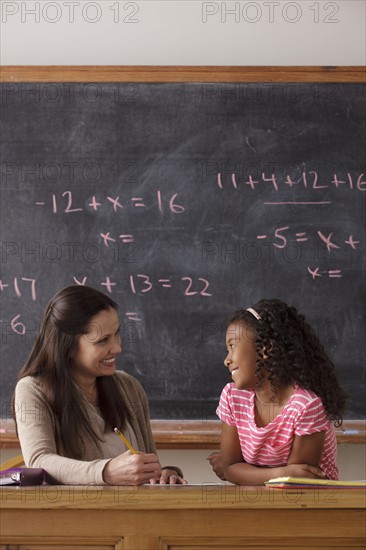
[
  {"x": 278, "y": 412},
  {"x": 70, "y": 397}
]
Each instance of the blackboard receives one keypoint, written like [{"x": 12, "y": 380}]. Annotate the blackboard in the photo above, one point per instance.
[{"x": 185, "y": 201}]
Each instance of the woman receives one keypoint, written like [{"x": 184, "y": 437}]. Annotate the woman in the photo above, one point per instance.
[{"x": 70, "y": 397}]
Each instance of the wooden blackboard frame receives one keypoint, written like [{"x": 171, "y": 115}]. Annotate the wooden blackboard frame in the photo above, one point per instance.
[
  {"x": 192, "y": 434},
  {"x": 95, "y": 73},
  {"x": 180, "y": 434}
]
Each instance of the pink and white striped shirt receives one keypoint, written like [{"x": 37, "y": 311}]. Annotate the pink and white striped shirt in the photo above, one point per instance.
[{"x": 270, "y": 446}]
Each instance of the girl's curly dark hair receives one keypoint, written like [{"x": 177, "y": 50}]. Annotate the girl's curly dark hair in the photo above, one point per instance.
[{"x": 290, "y": 351}]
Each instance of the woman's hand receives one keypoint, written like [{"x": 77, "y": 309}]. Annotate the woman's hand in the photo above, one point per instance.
[
  {"x": 132, "y": 469},
  {"x": 168, "y": 477},
  {"x": 215, "y": 460}
]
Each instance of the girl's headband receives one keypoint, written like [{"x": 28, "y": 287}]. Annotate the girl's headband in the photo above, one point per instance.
[{"x": 253, "y": 312}]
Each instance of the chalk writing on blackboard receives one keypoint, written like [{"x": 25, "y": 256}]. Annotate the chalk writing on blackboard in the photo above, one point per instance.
[
  {"x": 332, "y": 273},
  {"x": 126, "y": 238},
  {"x": 279, "y": 233},
  {"x": 18, "y": 289},
  {"x": 17, "y": 326},
  {"x": 146, "y": 285},
  {"x": 139, "y": 284},
  {"x": 115, "y": 202},
  {"x": 307, "y": 180}
]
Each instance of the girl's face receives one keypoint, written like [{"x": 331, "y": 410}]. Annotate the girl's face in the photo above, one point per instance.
[
  {"x": 96, "y": 351},
  {"x": 241, "y": 357}
]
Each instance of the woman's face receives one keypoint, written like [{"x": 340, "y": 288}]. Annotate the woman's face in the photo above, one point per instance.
[
  {"x": 241, "y": 357},
  {"x": 96, "y": 351}
]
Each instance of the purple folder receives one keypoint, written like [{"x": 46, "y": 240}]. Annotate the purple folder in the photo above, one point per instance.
[{"x": 25, "y": 476}]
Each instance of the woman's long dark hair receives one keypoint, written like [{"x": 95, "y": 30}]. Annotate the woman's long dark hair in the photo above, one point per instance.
[
  {"x": 66, "y": 318},
  {"x": 291, "y": 353}
]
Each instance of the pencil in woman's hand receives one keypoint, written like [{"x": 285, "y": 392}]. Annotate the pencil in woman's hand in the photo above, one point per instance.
[{"x": 125, "y": 441}]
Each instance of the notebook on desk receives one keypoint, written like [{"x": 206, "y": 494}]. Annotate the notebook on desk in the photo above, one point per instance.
[{"x": 304, "y": 482}]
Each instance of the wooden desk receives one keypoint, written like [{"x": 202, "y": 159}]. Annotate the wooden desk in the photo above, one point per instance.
[{"x": 186, "y": 518}]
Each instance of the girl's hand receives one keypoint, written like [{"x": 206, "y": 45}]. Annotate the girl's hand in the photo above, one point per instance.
[
  {"x": 303, "y": 470},
  {"x": 131, "y": 469},
  {"x": 168, "y": 477},
  {"x": 217, "y": 464}
]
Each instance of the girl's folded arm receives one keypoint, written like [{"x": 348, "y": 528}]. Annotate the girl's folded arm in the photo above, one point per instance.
[
  {"x": 303, "y": 462},
  {"x": 307, "y": 449},
  {"x": 236, "y": 470}
]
